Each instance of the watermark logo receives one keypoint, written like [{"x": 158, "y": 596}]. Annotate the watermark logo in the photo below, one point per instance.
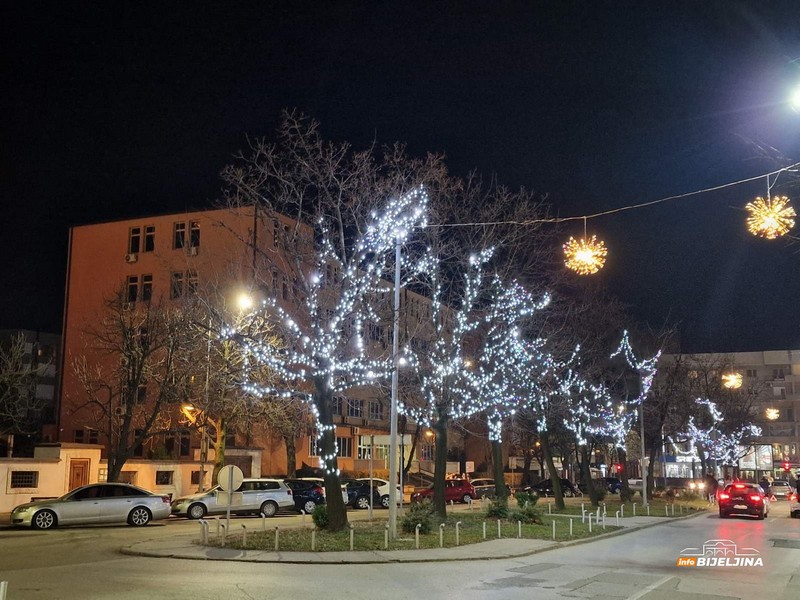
[{"x": 720, "y": 553}]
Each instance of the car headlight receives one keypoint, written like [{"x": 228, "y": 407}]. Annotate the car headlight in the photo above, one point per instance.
[{"x": 22, "y": 509}]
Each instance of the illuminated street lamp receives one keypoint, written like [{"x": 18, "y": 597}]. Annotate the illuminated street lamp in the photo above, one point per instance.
[
  {"x": 732, "y": 381},
  {"x": 772, "y": 414},
  {"x": 794, "y": 99}
]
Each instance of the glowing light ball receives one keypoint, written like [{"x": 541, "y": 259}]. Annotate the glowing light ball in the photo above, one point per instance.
[
  {"x": 585, "y": 256},
  {"x": 770, "y": 218}
]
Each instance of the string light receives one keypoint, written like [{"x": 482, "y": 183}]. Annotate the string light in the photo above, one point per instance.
[{"x": 770, "y": 218}]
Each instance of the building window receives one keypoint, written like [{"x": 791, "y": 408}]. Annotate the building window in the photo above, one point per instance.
[
  {"x": 134, "y": 240},
  {"x": 777, "y": 374},
  {"x": 77, "y": 436},
  {"x": 164, "y": 477},
  {"x": 426, "y": 452},
  {"x": 380, "y": 452},
  {"x": 149, "y": 238},
  {"x": 92, "y": 436},
  {"x": 284, "y": 288},
  {"x": 147, "y": 288},
  {"x": 230, "y": 438},
  {"x": 179, "y": 235},
  {"x": 132, "y": 288},
  {"x": 751, "y": 373},
  {"x": 355, "y": 408},
  {"x": 191, "y": 283},
  {"x": 274, "y": 281},
  {"x": 138, "y": 449},
  {"x": 24, "y": 479},
  {"x": 779, "y": 392},
  {"x": 275, "y": 231},
  {"x": 195, "y": 477},
  {"x": 102, "y": 474},
  {"x": 176, "y": 285},
  {"x": 194, "y": 234},
  {"x": 344, "y": 447},
  {"x": 336, "y": 408},
  {"x": 375, "y": 410},
  {"x": 185, "y": 449}
]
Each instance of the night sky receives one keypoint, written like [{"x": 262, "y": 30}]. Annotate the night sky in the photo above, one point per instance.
[{"x": 128, "y": 109}]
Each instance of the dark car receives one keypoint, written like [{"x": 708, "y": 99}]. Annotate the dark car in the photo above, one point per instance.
[
  {"x": 358, "y": 493},
  {"x": 307, "y": 494},
  {"x": 780, "y": 489},
  {"x": 610, "y": 484},
  {"x": 743, "y": 499},
  {"x": 456, "y": 490},
  {"x": 545, "y": 488}
]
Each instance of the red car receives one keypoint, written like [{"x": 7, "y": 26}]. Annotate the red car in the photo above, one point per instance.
[
  {"x": 743, "y": 499},
  {"x": 457, "y": 490}
]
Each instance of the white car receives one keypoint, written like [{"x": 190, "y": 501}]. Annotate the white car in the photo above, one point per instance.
[
  {"x": 95, "y": 503},
  {"x": 383, "y": 489},
  {"x": 258, "y": 496}
]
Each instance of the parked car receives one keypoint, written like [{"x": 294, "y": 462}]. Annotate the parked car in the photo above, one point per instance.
[
  {"x": 457, "y": 490},
  {"x": 95, "y": 503},
  {"x": 259, "y": 496},
  {"x": 383, "y": 488},
  {"x": 359, "y": 492},
  {"x": 485, "y": 487},
  {"x": 545, "y": 488},
  {"x": 307, "y": 494},
  {"x": 780, "y": 489},
  {"x": 743, "y": 499},
  {"x": 612, "y": 485},
  {"x": 794, "y": 505},
  {"x": 321, "y": 483}
]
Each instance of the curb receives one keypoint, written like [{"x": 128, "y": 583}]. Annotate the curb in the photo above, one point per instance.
[{"x": 129, "y": 550}]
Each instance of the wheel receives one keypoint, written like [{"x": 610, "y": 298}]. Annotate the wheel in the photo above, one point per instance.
[
  {"x": 568, "y": 493},
  {"x": 44, "y": 519},
  {"x": 722, "y": 515},
  {"x": 362, "y": 502},
  {"x": 466, "y": 499},
  {"x": 796, "y": 514},
  {"x": 269, "y": 508},
  {"x": 385, "y": 501},
  {"x": 196, "y": 511},
  {"x": 139, "y": 517},
  {"x": 762, "y": 516},
  {"x": 309, "y": 507}
]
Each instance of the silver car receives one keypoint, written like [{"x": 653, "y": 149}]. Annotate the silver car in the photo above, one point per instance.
[
  {"x": 95, "y": 503},
  {"x": 254, "y": 496}
]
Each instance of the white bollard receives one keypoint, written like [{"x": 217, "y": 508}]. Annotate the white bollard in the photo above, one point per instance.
[
  {"x": 264, "y": 522},
  {"x": 570, "y": 528},
  {"x": 616, "y": 515},
  {"x": 386, "y": 537},
  {"x": 313, "y": 540},
  {"x": 470, "y": 504},
  {"x": 3, "y": 589},
  {"x": 622, "y": 510},
  {"x": 458, "y": 524},
  {"x": 302, "y": 517},
  {"x": 554, "y": 528},
  {"x": 590, "y": 522},
  {"x": 673, "y": 510},
  {"x": 441, "y": 535},
  {"x": 203, "y": 531},
  {"x": 484, "y": 530},
  {"x": 244, "y": 536},
  {"x": 549, "y": 508},
  {"x": 582, "y": 508},
  {"x": 648, "y": 510},
  {"x": 597, "y": 519},
  {"x": 519, "y": 529},
  {"x": 498, "y": 529},
  {"x": 416, "y": 535},
  {"x": 351, "y": 537},
  {"x": 604, "y": 521},
  {"x": 583, "y": 516},
  {"x": 277, "y": 539},
  {"x": 224, "y": 533},
  {"x": 634, "y": 509},
  {"x": 666, "y": 510}
]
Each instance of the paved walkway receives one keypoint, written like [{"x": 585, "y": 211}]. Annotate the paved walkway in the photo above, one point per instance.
[{"x": 187, "y": 547}]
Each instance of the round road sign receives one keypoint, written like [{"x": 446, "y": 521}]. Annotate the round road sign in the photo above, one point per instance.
[{"x": 230, "y": 478}]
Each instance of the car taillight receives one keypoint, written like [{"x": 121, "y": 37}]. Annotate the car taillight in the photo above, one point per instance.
[
  {"x": 755, "y": 497},
  {"x": 165, "y": 499},
  {"x": 724, "y": 496},
  {"x": 289, "y": 492},
  {"x": 318, "y": 490}
]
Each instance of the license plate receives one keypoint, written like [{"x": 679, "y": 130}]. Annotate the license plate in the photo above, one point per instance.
[{"x": 739, "y": 506}]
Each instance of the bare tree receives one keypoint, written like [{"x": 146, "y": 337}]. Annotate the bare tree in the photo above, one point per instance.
[{"x": 19, "y": 406}]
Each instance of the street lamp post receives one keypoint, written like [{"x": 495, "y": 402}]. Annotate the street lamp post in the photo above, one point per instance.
[
  {"x": 644, "y": 454},
  {"x": 393, "y": 410}
]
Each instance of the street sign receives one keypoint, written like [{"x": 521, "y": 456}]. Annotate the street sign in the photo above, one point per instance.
[{"x": 230, "y": 478}]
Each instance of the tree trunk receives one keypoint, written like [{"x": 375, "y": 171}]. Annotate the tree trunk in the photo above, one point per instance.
[
  {"x": 527, "y": 459},
  {"x": 625, "y": 491},
  {"x": 650, "y": 468},
  {"x": 337, "y": 511},
  {"x": 586, "y": 476},
  {"x": 291, "y": 455},
  {"x": 500, "y": 490},
  {"x": 558, "y": 493},
  {"x": 440, "y": 467},
  {"x": 219, "y": 448}
]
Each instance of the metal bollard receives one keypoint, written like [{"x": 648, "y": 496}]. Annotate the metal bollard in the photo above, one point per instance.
[
  {"x": 3, "y": 589},
  {"x": 666, "y": 510},
  {"x": 224, "y": 529},
  {"x": 549, "y": 508},
  {"x": 673, "y": 510},
  {"x": 470, "y": 504},
  {"x": 244, "y": 536},
  {"x": 634, "y": 509},
  {"x": 583, "y": 516},
  {"x": 313, "y": 540},
  {"x": 277, "y": 539},
  {"x": 519, "y": 529},
  {"x": 458, "y": 524},
  {"x": 570, "y": 528},
  {"x": 263, "y": 522},
  {"x": 648, "y": 510},
  {"x": 203, "y": 531},
  {"x": 616, "y": 515},
  {"x": 622, "y": 510},
  {"x": 597, "y": 519},
  {"x": 590, "y": 522},
  {"x": 484, "y": 530},
  {"x": 554, "y": 528},
  {"x": 352, "y": 534},
  {"x": 416, "y": 535},
  {"x": 441, "y": 535},
  {"x": 498, "y": 529},
  {"x": 302, "y": 517},
  {"x": 217, "y": 518}
]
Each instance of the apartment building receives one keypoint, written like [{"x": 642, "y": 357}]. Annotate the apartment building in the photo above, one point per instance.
[
  {"x": 776, "y": 375},
  {"x": 167, "y": 258}
]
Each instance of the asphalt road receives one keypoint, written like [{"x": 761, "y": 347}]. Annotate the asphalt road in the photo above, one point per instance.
[{"x": 85, "y": 563}]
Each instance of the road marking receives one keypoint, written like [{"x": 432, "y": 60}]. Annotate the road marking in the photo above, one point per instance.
[{"x": 650, "y": 588}]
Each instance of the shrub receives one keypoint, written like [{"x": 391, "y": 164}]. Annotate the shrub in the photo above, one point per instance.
[
  {"x": 419, "y": 513},
  {"x": 527, "y": 514},
  {"x": 626, "y": 495},
  {"x": 598, "y": 495},
  {"x": 498, "y": 509},
  {"x": 320, "y": 516},
  {"x": 526, "y": 499}
]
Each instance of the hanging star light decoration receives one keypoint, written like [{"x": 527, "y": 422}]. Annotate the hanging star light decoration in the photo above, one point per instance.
[
  {"x": 585, "y": 256},
  {"x": 770, "y": 218}
]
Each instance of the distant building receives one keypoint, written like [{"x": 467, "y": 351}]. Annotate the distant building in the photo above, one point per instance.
[{"x": 42, "y": 356}]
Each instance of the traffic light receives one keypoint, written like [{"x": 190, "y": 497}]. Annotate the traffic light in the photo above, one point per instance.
[
  {"x": 618, "y": 468},
  {"x": 786, "y": 466}
]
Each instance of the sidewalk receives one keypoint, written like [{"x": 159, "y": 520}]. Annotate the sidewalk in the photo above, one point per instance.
[{"x": 186, "y": 547}]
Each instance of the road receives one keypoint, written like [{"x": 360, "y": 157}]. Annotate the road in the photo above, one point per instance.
[{"x": 85, "y": 564}]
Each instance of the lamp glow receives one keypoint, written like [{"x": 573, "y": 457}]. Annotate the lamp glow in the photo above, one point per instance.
[
  {"x": 772, "y": 414},
  {"x": 732, "y": 381},
  {"x": 585, "y": 256},
  {"x": 770, "y": 218},
  {"x": 794, "y": 99}
]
